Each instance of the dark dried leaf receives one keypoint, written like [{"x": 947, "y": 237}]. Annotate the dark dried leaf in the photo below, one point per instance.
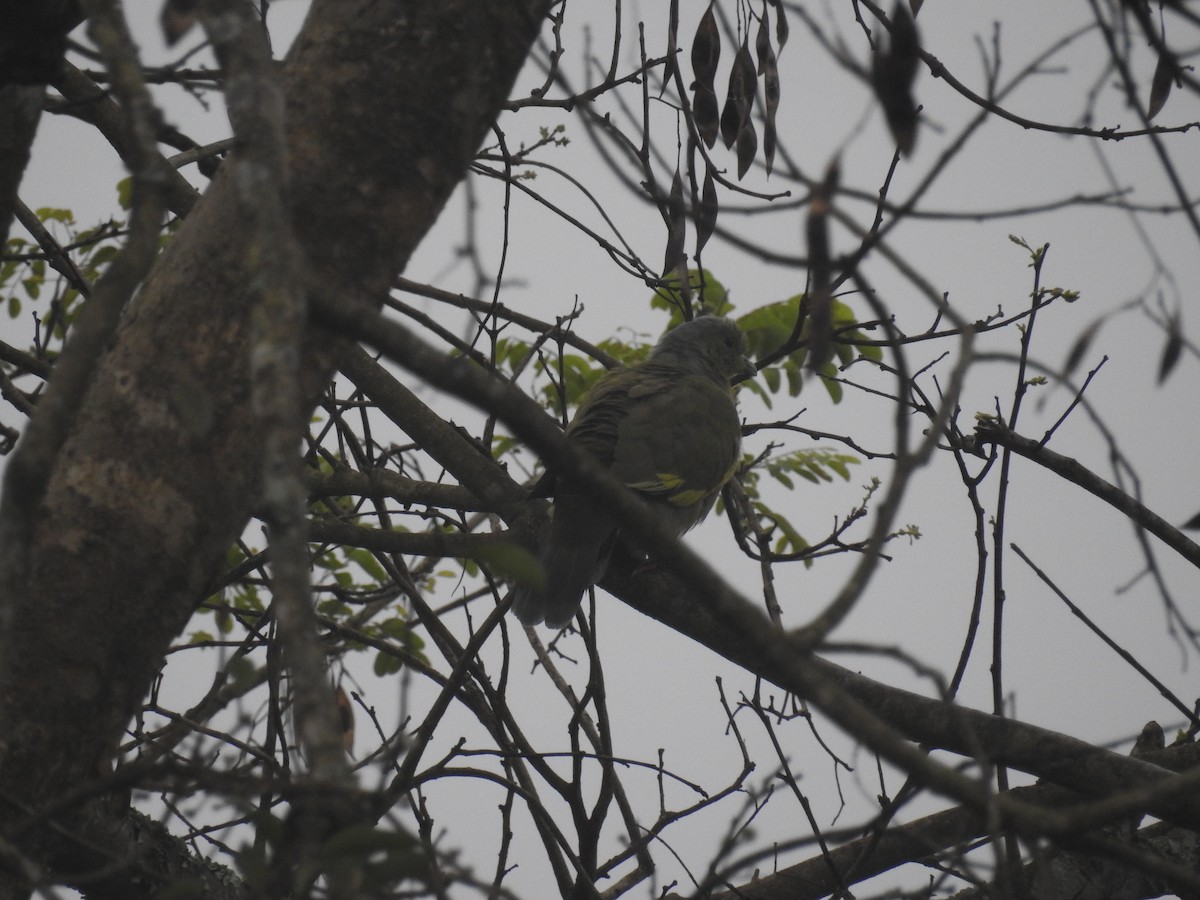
[
  {"x": 833, "y": 177},
  {"x": 670, "y": 69},
  {"x": 1172, "y": 349},
  {"x": 730, "y": 121},
  {"x": 177, "y": 19},
  {"x": 769, "y": 143},
  {"x": 346, "y": 719},
  {"x": 894, "y": 95},
  {"x": 706, "y": 211},
  {"x": 706, "y": 51},
  {"x": 744, "y": 61},
  {"x": 820, "y": 329},
  {"x": 768, "y": 66},
  {"x": 905, "y": 44},
  {"x": 1192, "y": 524},
  {"x": 673, "y": 261},
  {"x": 1080, "y": 347},
  {"x": 892, "y": 75},
  {"x": 901, "y": 112},
  {"x": 705, "y": 112},
  {"x": 820, "y": 266},
  {"x": 1160, "y": 86},
  {"x": 762, "y": 39},
  {"x": 781, "y": 25},
  {"x": 747, "y": 147},
  {"x": 816, "y": 230},
  {"x": 740, "y": 98}
]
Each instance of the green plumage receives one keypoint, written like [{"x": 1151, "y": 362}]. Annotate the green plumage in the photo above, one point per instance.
[{"x": 668, "y": 428}]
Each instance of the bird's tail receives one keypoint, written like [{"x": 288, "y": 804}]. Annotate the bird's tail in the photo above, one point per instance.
[{"x": 573, "y": 559}]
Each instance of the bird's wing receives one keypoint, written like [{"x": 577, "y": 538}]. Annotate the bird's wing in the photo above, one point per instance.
[{"x": 679, "y": 440}]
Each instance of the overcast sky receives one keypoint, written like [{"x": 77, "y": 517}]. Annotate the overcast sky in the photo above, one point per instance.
[{"x": 1058, "y": 675}]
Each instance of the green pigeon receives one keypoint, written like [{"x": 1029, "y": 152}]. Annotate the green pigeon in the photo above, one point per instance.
[{"x": 668, "y": 428}]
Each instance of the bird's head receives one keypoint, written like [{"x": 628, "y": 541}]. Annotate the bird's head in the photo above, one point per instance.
[{"x": 708, "y": 345}]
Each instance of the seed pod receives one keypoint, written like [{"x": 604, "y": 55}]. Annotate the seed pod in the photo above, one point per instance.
[
  {"x": 740, "y": 96},
  {"x": 768, "y": 66},
  {"x": 1163, "y": 81},
  {"x": 706, "y": 53},
  {"x": 706, "y": 210}
]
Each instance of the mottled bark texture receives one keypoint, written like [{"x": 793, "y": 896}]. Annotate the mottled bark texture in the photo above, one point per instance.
[{"x": 386, "y": 103}]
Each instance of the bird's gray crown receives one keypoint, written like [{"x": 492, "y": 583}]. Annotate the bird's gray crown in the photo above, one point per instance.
[{"x": 708, "y": 345}]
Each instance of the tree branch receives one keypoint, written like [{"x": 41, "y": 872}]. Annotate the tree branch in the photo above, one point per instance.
[{"x": 991, "y": 431}]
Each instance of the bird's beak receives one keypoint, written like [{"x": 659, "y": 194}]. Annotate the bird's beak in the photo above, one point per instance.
[{"x": 749, "y": 370}]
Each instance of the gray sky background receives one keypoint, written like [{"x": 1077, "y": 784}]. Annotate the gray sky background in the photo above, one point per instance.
[{"x": 662, "y": 689}]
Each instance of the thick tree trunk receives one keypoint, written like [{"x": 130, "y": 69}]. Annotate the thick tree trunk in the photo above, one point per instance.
[{"x": 387, "y": 102}]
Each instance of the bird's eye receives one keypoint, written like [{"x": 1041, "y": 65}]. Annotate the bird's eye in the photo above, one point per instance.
[{"x": 729, "y": 341}]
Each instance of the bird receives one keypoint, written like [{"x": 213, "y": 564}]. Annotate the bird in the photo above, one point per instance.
[{"x": 668, "y": 429}]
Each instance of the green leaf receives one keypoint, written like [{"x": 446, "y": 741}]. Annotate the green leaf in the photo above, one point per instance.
[
  {"x": 329, "y": 561},
  {"x": 247, "y": 598},
  {"x": 711, "y": 294},
  {"x": 125, "y": 193},
  {"x": 395, "y": 627},
  {"x": 502, "y": 444},
  {"x": 387, "y": 664},
  {"x": 624, "y": 353},
  {"x": 381, "y": 856},
  {"x": 363, "y": 840},
  {"x": 771, "y": 327},
  {"x": 368, "y": 563},
  {"x": 399, "y": 630},
  {"x": 53, "y": 214},
  {"x": 104, "y": 254},
  {"x": 242, "y": 672},
  {"x": 510, "y": 354},
  {"x": 815, "y": 465},
  {"x": 415, "y": 644},
  {"x": 840, "y": 465},
  {"x": 832, "y": 386},
  {"x": 789, "y": 540},
  {"x": 758, "y": 390},
  {"x": 512, "y": 561}
]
